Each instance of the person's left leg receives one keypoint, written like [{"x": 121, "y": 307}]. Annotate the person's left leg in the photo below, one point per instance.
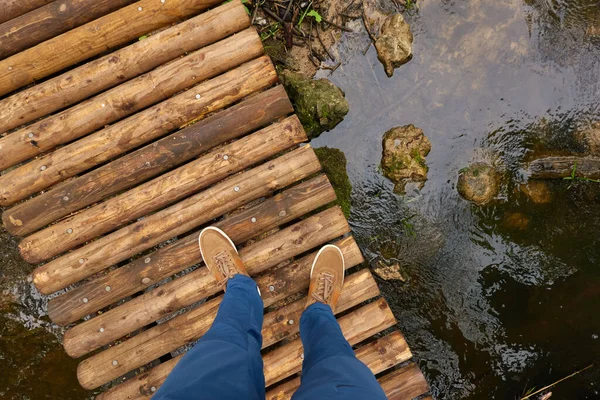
[{"x": 226, "y": 363}]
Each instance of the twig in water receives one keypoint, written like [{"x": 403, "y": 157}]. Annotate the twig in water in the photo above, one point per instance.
[
  {"x": 336, "y": 25},
  {"x": 334, "y": 68},
  {"x": 558, "y": 381},
  {"x": 323, "y": 44}
]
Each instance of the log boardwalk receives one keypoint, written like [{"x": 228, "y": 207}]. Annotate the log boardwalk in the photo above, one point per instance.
[{"x": 147, "y": 121}]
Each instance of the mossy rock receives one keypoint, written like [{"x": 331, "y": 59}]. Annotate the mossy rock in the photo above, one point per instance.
[
  {"x": 333, "y": 162},
  {"x": 403, "y": 158},
  {"x": 479, "y": 183},
  {"x": 319, "y": 104}
]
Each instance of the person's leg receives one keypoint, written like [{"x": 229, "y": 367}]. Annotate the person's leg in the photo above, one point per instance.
[
  {"x": 330, "y": 369},
  {"x": 226, "y": 363}
]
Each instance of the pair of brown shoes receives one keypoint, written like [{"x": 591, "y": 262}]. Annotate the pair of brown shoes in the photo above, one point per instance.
[{"x": 326, "y": 275}]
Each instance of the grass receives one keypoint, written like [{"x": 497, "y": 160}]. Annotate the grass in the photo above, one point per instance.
[
  {"x": 531, "y": 392},
  {"x": 574, "y": 178}
]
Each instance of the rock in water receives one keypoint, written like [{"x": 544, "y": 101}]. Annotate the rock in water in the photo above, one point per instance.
[
  {"x": 389, "y": 273},
  {"x": 319, "y": 104},
  {"x": 404, "y": 152},
  {"x": 479, "y": 183},
  {"x": 394, "y": 44},
  {"x": 537, "y": 191}
]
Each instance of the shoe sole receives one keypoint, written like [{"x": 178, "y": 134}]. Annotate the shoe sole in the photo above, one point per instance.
[{"x": 341, "y": 254}]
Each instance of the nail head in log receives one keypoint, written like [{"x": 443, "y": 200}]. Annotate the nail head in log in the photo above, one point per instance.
[
  {"x": 14, "y": 8},
  {"x": 93, "y": 38},
  {"x": 148, "y": 162},
  {"x": 130, "y": 97},
  {"x": 175, "y": 220},
  {"x": 123, "y": 64},
  {"x": 172, "y": 258},
  {"x": 190, "y": 326},
  {"x": 136, "y": 130},
  {"x": 558, "y": 167},
  {"x": 51, "y": 20},
  {"x": 164, "y": 190},
  {"x": 188, "y": 289}
]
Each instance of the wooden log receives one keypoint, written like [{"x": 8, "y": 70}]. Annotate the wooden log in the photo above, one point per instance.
[
  {"x": 356, "y": 326},
  {"x": 405, "y": 383},
  {"x": 175, "y": 220},
  {"x": 126, "y": 63},
  {"x": 152, "y": 268},
  {"x": 185, "y": 291},
  {"x": 14, "y": 8},
  {"x": 559, "y": 167},
  {"x": 93, "y": 38},
  {"x": 164, "y": 190},
  {"x": 190, "y": 326},
  {"x": 130, "y": 97},
  {"x": 51, "y": 20},
  {"x": 136, "y": 130},
  {"x": 379, "y": 355},
  {"x": 148, "y": 161}
]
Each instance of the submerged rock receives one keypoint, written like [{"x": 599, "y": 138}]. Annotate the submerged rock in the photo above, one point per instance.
[
  {"x": 516, "y": 221},
  {"x": 479, "y": 183},
  {"x": 404, "y": 152},
  {"x": 319, "y": 104},
  {"x": 389, "y": 272},
  {"x": 394, "y": 44},
  {"x": 537, "y": 191},
  {"x": 333, "y": 162},
  {"x": 590, "y": 138}
]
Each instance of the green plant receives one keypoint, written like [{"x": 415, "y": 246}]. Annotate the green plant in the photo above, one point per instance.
[
  {"x": 574, "y": 178},
  {"x": 408, "y": 226},
  {"x": 315, "y": 15},
  {"x": 273, "y": 29},
  {"x": 304, "y": 14}
]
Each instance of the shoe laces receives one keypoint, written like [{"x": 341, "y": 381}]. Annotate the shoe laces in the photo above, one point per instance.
[
  {"x": 225, "y": 265},
  {"x": 324, "y": 287}
]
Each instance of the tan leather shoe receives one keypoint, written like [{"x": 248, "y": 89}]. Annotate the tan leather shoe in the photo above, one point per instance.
[
  {"x": 220, "y": 255},
  {"x": 326, "y": 277}
]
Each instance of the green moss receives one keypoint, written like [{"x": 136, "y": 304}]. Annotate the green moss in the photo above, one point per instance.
[
  {"x": 334, "y": 166},
  {"x": 319, "y": 104}
]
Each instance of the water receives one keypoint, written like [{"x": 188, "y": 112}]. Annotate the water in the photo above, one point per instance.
[{"x": 503, "y": 298}]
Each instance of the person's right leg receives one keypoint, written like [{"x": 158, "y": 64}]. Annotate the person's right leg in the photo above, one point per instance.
[{"x": 330, "y": 369}]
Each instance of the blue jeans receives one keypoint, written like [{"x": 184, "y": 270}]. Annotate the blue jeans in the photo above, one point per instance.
[{"x": 226, "y": 363}]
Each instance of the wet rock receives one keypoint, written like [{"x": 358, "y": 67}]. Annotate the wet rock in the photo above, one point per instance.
[
  {"x": 537, "y": 191},
  {"x": 479, "y": 183},
  {"x": 404, "y": 152},
  {"x": 590, "y": 138},
  {"x": 516, "y": 221},
  {"x": 389, "y": 272},
  {"x": 319, "y": 104},
  {"x": 333, "y": 162},
  {"x": 394, "y": 45}
]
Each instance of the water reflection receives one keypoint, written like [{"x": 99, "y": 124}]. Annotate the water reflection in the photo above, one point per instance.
[{"x": 501, "y": 298}]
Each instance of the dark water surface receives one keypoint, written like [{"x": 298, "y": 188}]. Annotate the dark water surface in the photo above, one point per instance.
[{"x": 504, "y": 298}]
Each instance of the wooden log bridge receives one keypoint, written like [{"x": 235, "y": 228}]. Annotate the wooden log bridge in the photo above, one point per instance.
[{"x": 126, "y": 127}]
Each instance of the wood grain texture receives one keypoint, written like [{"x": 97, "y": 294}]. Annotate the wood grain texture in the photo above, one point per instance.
[
  {"x": 115, "y": 68},
  {"x": 190, "y": 326},
  {"x": 405, "y": 383},
  {"x": 175, "y": 220},
  {"x": 379, "y": 355},
  {"x": 93, "y": 38},
  {"x": 147, "y": 162},
  {"x": 136, "y": 130},
  {"x": 187, "y": 290},
  {"x": 51, "y": 20},
  {"x": 164, "y": 190},
  {"x": 177, "y": 256},
  {"x": 130, "y": 97},
  {"x": 559, "y": 167},
  {"x": 388, "y": 350},
  {"x": 14, "y": 8}
]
